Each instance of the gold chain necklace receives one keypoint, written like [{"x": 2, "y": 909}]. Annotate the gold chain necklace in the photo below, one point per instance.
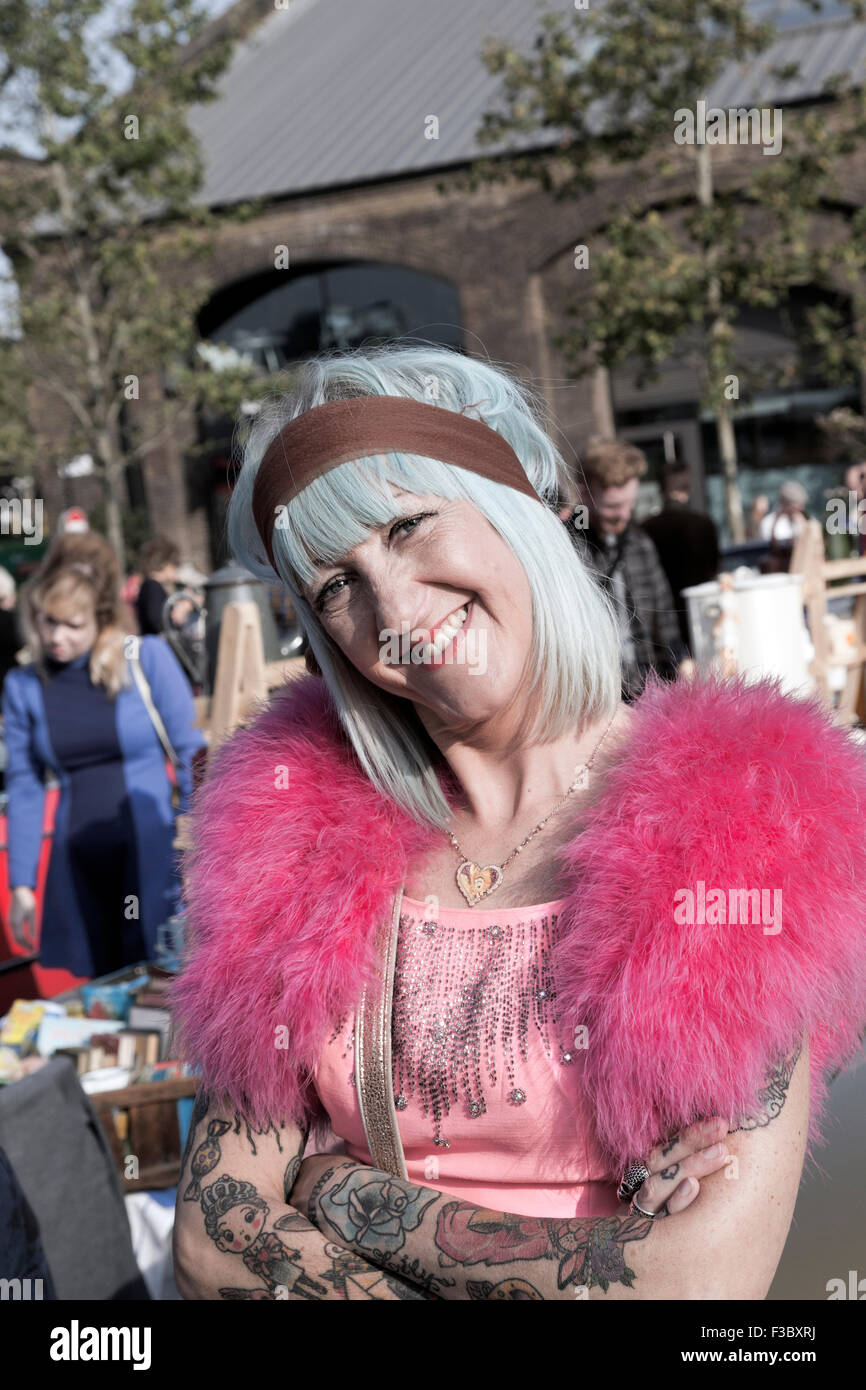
[{"x": 476, "y": 881}]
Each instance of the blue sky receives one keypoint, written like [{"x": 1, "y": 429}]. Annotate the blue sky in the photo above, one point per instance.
[{"x": 108, "y": 64}]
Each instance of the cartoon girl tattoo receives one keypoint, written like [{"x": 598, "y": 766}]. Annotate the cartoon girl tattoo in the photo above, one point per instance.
[{"x": 234, "y": 1218}]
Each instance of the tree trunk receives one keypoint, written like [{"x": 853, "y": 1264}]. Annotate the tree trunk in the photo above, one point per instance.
[
  {"x": 728, "y": 454},
  {"x": 717, "y": 328},
  {"x": 114, "y": 522},
  {"x": 108, "y": 452}
]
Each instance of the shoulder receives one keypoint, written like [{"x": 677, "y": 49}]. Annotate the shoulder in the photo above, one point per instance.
[
  {"x": 13, "y": 678},
  {"x": 700, "y": 529},
  {"x": 640, "y": 541},
  {"x": 290, "y": 780},
  {"x": 744, "y": 772},
  {"x": 728, "y": 738},
  {"x": 150, "y": 648},
  {"x": 289, "y": 764},
  {"x": 20, "y": 682},
  {"x": 156, "y": 656},
  {"x": 704, "y": 522},
  {"x": 298, "y": 720},
  {"x": 749, "y": 805},
  {"x": 150, "y": 586}
]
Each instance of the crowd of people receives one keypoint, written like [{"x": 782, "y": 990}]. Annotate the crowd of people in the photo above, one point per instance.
[{"x": 114, "y": 722}]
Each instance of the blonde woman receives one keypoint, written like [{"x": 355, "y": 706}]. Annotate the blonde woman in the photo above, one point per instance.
[
  {"x": 76, "y": 710},
  {"x": 455, "y": 901}
]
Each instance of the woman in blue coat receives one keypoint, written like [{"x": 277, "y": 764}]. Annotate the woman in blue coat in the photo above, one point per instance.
[{"x": 78, "y": 710}]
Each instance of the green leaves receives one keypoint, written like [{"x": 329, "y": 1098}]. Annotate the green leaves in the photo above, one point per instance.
[
  {"x": 111, "y": 251},
  {"x": 738, "y": 227}
]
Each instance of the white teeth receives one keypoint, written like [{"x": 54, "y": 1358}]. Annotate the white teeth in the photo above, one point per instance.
[
  {"x": 454, "y": 621},
  {"x": 446, "y": 633}
]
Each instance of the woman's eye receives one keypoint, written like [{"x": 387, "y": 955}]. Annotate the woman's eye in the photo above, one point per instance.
[
  {"x": 409, "y": 521},
  {"x": 329, "y": 591}
]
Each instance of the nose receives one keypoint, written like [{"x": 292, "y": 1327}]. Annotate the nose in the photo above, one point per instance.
[{"x": 395, "y": 604}]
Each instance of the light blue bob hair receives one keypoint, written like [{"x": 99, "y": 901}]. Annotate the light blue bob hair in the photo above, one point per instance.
[{"x": 573, "y": 665}]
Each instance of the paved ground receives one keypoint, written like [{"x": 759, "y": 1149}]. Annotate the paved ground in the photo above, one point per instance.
[{"x": 828, "y": 1235}]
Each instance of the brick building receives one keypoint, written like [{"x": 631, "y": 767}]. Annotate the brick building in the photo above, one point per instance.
[{"x": 325, "y": 115}]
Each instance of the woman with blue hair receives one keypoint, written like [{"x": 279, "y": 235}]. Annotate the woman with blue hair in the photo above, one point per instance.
[{"x": 433, "y": 893}]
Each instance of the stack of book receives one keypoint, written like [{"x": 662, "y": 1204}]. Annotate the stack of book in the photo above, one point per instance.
[
  {"x": 150, "y": 1012},
  {"x": 138, "y": 1044},
  {"x": 114, "y": 1029},
  {"x": 133, "y": 1048}
]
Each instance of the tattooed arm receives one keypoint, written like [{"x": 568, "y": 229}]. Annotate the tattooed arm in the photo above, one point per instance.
[
  {"x": 727, "y": 1245},
  {"x": 235, "y": 1234}
]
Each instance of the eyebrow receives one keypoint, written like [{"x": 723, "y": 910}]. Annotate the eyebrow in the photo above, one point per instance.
[{"x": 396, "y": 516}]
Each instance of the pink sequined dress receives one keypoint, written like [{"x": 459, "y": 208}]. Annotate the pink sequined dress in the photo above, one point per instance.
[{"x": 486, "y": 1084}]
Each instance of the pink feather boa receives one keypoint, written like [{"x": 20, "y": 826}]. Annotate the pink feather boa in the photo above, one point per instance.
[{"x": 735, "y": 785}]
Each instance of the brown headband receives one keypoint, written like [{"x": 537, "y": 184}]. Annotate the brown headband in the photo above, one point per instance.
[{"x": 339, "y": 431}]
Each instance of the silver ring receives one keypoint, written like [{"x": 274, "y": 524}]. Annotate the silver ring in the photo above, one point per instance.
[
  {"x": 633, "y": 1179},
  {"x": 639, "y": 1211}
]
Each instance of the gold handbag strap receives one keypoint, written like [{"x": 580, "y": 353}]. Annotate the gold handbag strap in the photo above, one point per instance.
[
  {"x": 373, "y": 1077},
  {"x": 144, "y": 691}
]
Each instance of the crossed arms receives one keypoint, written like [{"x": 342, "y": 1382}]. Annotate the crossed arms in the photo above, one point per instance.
[
  {"x": 256, "y": 1223},
  {"x": 235, "y": 1234}
]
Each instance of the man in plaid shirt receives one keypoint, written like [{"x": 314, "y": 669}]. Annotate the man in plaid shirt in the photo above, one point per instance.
[{"x": 627, "y": 563}]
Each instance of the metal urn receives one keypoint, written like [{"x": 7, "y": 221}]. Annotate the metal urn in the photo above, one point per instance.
[{"x": 233, "y": 584}]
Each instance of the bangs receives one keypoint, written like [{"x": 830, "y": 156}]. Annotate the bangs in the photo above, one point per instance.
[
  {"x": 65, "y": 597},
  {"x": 339, "y": 509}
]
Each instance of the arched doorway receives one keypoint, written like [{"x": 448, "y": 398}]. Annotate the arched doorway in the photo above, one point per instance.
[{"x": 278, "y": 317}]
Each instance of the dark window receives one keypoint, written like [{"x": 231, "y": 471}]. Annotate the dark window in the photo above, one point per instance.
[{"x": 278, "y": 318}]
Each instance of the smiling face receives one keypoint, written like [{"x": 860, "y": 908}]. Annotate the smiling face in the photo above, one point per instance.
[{"x": 418, "y": 575}]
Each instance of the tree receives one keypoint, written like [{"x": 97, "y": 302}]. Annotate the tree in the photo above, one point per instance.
[
  {"x": 101, "y": 226},
  {"x": 616, "y": 85}
]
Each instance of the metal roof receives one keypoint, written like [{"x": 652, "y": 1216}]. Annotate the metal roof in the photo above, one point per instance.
[{"x": 329, "y": 93}]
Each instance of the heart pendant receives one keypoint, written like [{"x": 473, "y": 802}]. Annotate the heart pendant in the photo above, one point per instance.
[{"x": 476, "y": 883}]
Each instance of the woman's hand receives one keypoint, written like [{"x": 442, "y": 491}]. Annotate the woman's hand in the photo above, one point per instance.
[
  {"x": 22, "y": 918},
  {"x": 309, "y": 1173},
  {"x": 676, "y": 1166}
]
